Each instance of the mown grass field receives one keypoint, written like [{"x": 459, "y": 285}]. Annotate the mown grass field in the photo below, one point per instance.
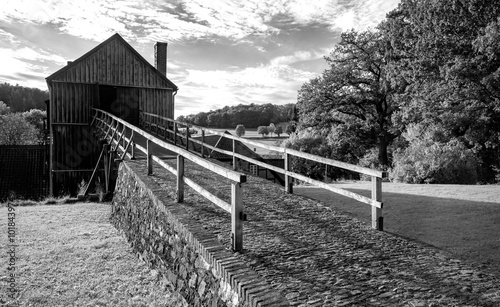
[
  {"x": 70, "y": 255},
  {"x": 463, "y": 220}
]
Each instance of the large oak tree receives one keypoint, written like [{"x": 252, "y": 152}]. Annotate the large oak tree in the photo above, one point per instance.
[{"x": 353, "y": 94}]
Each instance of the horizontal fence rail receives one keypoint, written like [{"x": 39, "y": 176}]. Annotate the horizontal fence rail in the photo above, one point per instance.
[
  {"x": 121, "y": 138},
  {"x": 170, "y": 129}
]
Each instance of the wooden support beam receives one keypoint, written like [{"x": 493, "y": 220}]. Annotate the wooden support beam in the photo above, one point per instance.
[
  {"x": 180, "y": 179},
  {"x": 236, "y": 217},
  {"x": 377, "y": 218},
  {"x": 107, "y": 169},
  {"x": 130, "y": 141},
  {"x": 94, "y": 174}
]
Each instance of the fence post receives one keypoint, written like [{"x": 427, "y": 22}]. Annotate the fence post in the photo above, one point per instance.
[
  {"x": 288, "y": 179},
  {"x": 132, "y": 150},
  {"x": 175, "y": 133},
  {"x": 149, "y": 146},
  {"x": 235, "y": 160},
  {"x": 180, "y": 179},
  {"x": 187, "y": 138},
  {"x": 377, "y": 218},
  {"x": 236, "y": 217}
]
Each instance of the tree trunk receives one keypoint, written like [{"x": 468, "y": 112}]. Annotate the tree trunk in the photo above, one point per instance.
[{"x": 383, "y": 157}]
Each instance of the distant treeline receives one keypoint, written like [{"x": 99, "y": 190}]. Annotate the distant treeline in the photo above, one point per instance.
[
  {"x": 21, "y": 99},
  {"x": 250, "y": 116}
]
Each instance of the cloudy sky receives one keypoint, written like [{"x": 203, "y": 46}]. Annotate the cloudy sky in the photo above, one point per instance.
[{"x": 220, "y": 52}]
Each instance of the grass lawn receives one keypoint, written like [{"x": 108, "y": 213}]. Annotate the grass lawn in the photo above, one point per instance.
[
  {"x": 70, "y": 255},
  {"x": 461, "y": 219}
]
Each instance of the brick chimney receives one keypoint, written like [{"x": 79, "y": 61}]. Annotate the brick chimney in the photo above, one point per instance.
[{"x": 161, "y": 57}]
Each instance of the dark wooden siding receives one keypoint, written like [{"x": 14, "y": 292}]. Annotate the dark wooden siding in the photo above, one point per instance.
[
  {"x": 71, "y": 102},
  {"x": 113, "y": 64},
  {"x": 24, "y": 172}
]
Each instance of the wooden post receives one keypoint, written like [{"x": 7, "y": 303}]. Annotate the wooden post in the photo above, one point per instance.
[
  {"x": 235, "y": 160},
  {"x": 187, "y": 138},
  {"x": 149, "y": 148},
  {"x": 106, "y": 166},
  {"x": 180, "y": 179},
  {"x": 288, "y": 179},
  {"x": 202, "y": 142},
  {"x": 377, "y": 218},
  {"x": 236, "y": 217},
  {"x": 132, "y": 150}
]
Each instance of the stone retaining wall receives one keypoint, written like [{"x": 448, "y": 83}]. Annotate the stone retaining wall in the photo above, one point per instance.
[{"x": 163, "y": 234}]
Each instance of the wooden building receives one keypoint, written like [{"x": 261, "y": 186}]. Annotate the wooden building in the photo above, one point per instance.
[{"x": 113, "y": 77}]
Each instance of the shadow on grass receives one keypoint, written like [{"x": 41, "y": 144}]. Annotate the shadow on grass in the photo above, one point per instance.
[{"x": 466, "y": 229}]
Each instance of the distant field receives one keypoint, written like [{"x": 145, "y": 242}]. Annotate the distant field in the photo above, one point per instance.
[{"x": 461, "y": 219}]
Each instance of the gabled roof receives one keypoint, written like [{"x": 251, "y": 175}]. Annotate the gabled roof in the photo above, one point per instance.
[{"x": 100, "y": 46}]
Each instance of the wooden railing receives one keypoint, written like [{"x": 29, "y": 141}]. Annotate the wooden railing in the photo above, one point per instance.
[
  {"x": 169, "y": 129},
  {"x": 120, "y": 135}
]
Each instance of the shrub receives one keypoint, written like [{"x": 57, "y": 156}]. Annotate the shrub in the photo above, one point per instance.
[
  {"x": 271, "y": 128},
  {"x": 431, "y": 158},
  {"x": 263, "y": 130},
  {"x": 16, "y": 130},
  {"x": 316, "y": 144},
  {"x": 240, "y": 130}
]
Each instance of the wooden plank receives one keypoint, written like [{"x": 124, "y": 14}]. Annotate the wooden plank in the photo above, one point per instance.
[
  {"x": 377, "y": 218},
  {"x": 347, "y": 166},
  {"x": 328, "y": 187},
  {"x": 164, "y": 165},
  {"x": 214, "y": 199},
  {"x": 180, "y": 179},
  {"x": 236, "y": 217}
]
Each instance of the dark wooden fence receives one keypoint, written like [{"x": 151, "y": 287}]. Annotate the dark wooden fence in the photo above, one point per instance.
[{"x": 24, "y": 171}]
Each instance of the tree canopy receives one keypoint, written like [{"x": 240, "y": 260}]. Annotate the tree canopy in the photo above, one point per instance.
[
  {"x": 250, "y": 116},
  {"x": 429, "y": 65},
  {"x": 21, "y": 99},
  {"x": 352, "y": 93}
]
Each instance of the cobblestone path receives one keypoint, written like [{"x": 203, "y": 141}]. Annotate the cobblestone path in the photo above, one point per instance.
[{"x": 316, "y": 256}]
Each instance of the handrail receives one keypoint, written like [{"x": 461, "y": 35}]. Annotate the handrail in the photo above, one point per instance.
[
  {"x": 376, "y": 176},
  {"x": 107, "y": 123},
  {"x": 344, "y": 165}
]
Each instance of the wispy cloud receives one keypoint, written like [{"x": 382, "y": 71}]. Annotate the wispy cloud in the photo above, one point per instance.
[{"x": 221, "y": 52}]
